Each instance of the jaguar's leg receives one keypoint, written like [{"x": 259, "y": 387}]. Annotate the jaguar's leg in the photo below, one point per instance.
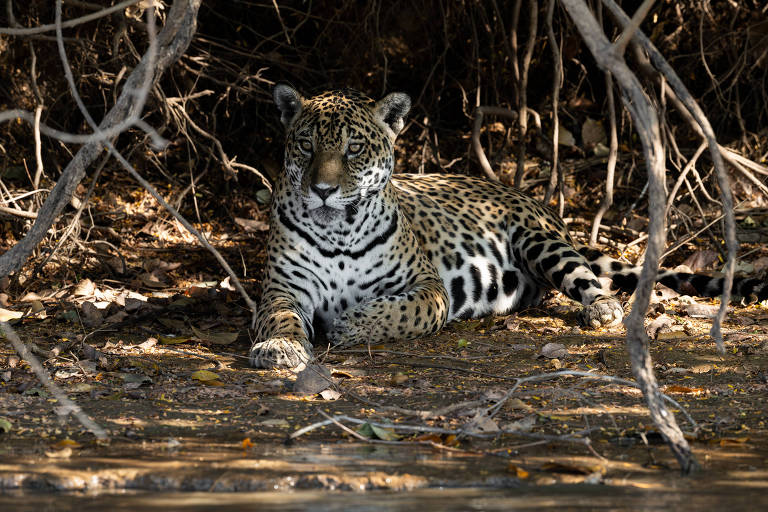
[
  {"x": 420, "y": 311},
  {"x": 282, "y": 333},
  {"x": 553, "y": 260}
]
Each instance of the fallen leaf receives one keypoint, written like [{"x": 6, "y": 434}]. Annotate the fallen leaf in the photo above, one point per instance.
[
  {"x": 443, "y": 439},
  {"x": 312, "y": 380},
  {"x": 399, "y": 378},
  {"x": 59, "y": 454},
  {"x": 592, "y": 133},
  {"x": 134, "y": 381},
  {"x": 277, "y": 422},
  {"x": 154, "y": 279},
  {"x": 700, "y": 260},
  {"x": 5, "y": 425},
  {"x": 330, "y": 394},
  {"x": 518, "y": 471},
  {"x": 217, "y": 338},
  {"x": 80, "y": 387},
  {"x": 518, "y": 404},
  {"x": 36, "y": 306},
  {"x": 264, "y": 196},
  {"x": 84, "y": 288},
  {"x": 66, "y": 443},
  {"x": 173, "y": 340},
  {"x": 251, "y": 225},
  {"x": 554, "y": 351},
  {"x": 207, "y": 377},
  {"x": 370, "y": 431},
  {"x": 683, "y": 389},
  {"x": 522, "y": 425},
  {"x": 91, "y": 315},
  {"x": 482, "y": 423},
  {"x": 565, "y": 137},
  {"x": 7, "y": 314}
]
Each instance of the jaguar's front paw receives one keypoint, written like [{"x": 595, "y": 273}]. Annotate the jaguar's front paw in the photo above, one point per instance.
[
  {"x": 603, "y": 312},
  {"x": 280, "y": 353}
]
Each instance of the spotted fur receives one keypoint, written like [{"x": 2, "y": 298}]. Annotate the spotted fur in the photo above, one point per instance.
[{"x": 356, "y": 255}]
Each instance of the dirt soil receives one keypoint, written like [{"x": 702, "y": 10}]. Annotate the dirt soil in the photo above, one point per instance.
[{"x": 170, "y": 382}]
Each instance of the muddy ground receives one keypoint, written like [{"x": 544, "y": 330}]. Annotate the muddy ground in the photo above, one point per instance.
[{"x": 173, "y": 427}]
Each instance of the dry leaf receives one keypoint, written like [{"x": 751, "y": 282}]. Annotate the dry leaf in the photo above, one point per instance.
[
  {"x": 312, "y": 380},
  {"x": 330, "y": 394},
  {"x": 84, "y": 288},
  {"x": 173, "y": 340},
  {"x": 703, "y": 310},
  {"x": 59, "y": 454},
  {"x": 251, "y": 225},
  {"x": 518, "y": 471},
  {"x": 217, "y": 338},
  {"x": 207, "y": 377},
  {"x": 554, "y": 351},
  {"x": 684, "y": 389},
  {"x": 7, "y": 314}
]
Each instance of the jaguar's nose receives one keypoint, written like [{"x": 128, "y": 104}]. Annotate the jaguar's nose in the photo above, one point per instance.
[{"x": 324, "y": 191}]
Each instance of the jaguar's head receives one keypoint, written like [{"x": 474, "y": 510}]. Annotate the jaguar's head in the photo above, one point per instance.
[{"x": 339, "y": 148}]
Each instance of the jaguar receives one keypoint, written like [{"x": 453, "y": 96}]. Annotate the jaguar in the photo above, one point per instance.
[{"x": 359, "y": 255}]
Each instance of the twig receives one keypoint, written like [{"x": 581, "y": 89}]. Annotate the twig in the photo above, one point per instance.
[
  {"x": 67, "y": 405},
  {"x": 522, "y": 123},
  {"x": 480, "y": 112},
  {"x": 612, "y": 150},
  {"x": 620, "y": 45},
  {"x": 69, "y": 23},
  {"x": 18, "y": 213},
  {"x": 556, "y": 173},
  {"x": 335, "y": 419}
]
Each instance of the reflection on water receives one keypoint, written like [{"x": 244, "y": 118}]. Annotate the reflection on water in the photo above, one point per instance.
[{"x": 564, "y": 497}]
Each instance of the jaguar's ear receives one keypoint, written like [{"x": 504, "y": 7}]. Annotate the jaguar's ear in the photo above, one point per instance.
[
  {"x": 392, "y": 110},
  {"x": 289, "y": 101}
]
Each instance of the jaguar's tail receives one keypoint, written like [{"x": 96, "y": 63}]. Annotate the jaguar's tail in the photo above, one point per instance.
[{"x": 625, "y": 276}]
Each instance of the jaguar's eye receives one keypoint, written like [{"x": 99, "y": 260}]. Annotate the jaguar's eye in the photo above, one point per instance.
[
  {"x": 306, "y": 146},
  {"x": 354, "y": 148}
]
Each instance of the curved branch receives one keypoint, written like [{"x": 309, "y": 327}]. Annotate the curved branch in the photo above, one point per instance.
[
  {"x": 647, "y": 127},
  {"x": 480, "y": 112}
]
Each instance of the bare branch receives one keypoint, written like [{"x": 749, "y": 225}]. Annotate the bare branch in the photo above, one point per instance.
[
  {"x": 69, "y": 23},
  {"x": 647, "y": 127},
  {"x": 626, "y": 36},
  {"x": 480, "y": 112}
]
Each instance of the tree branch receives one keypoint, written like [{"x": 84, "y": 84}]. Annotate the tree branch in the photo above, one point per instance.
[{"x": 647, "y": 126}]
